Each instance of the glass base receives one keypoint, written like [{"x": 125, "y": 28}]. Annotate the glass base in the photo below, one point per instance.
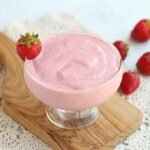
[{"x": 72, "y": 119}]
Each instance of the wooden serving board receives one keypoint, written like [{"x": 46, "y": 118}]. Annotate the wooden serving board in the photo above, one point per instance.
[{"x": 118, "y": 118}]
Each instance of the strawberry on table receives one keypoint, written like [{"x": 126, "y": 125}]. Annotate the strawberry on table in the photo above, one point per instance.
[
  {"x": 28, "y": 46},
  {"x": 143, "y": 64},
  {"x": 141, "y": 31},
  {"x": 130, "y": 82},
  {"x": 122, "y": 47}
]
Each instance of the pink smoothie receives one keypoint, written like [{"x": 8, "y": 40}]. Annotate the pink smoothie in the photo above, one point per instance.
[
  {"x": 74, "y": 71},
  {"x": 74, "y": 62}
]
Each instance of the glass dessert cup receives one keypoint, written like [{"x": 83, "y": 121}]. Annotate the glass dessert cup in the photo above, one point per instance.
[
  {"x": 71, "y": 109},
  {"x": 74, "y": 108}
]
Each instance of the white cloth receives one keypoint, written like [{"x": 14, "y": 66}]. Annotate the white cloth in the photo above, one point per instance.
[{"x": 15, "y": 137}]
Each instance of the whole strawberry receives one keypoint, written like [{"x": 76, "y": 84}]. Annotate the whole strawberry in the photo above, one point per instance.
[
  {"x": 122, "y": 47},
  {"x": 143, "y": 64},
  {"x": 130, "y": 82},
  {"x": 141, "y": 31},
  {"x": 28, "y": 46}
]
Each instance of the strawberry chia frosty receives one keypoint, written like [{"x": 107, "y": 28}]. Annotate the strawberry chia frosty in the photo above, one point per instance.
[{"x": 73, "y": 73}]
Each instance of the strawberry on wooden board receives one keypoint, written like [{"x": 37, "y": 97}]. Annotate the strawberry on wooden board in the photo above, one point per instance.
[
  {"x": 130, "y": 82},
  {"x": 122, "y": 47},
  {"x": 28, "y": 46},
  {"x": 141, "y": 31},
  {"x": 143, "y": 64}
]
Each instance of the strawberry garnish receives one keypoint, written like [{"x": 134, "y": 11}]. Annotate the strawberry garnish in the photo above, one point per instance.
[
  {"x": 141, "y": 31},
  {"x": 130, "y": 82},
  {"x": 28, "y": 46},
  {"x": 143, "y": 64},
  {"x": 122, "y": 47}
]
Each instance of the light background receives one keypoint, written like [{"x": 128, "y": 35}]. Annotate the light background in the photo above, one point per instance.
[{"x": 110, "y": 18}]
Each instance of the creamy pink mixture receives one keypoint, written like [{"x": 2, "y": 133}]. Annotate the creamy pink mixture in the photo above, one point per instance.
[{"x": 74, "y": 61}]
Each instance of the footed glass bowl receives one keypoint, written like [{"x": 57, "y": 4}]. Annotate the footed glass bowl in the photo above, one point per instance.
[{"x": 70, "y": 109}]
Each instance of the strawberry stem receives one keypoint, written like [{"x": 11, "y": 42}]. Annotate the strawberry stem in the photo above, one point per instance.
[
  {"x": 29, "y": 39},
  {"x": 148, "y": 23},
  {"x": 126, "y": 47}
]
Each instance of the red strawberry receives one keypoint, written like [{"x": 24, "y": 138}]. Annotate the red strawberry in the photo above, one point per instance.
[
  {"x": 141, "y": 31},
  {"x": 122, "y": 48},
  {"x": 143, "y": 64},
  {"x": 28, "y": 46},
  {"x": 130, "y": 82}
]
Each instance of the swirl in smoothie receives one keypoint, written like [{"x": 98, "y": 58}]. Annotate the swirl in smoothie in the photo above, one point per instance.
[{"x": 75, "y": 62}]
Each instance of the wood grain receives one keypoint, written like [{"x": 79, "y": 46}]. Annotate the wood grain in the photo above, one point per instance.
[{"x": 117, "y": 120}]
